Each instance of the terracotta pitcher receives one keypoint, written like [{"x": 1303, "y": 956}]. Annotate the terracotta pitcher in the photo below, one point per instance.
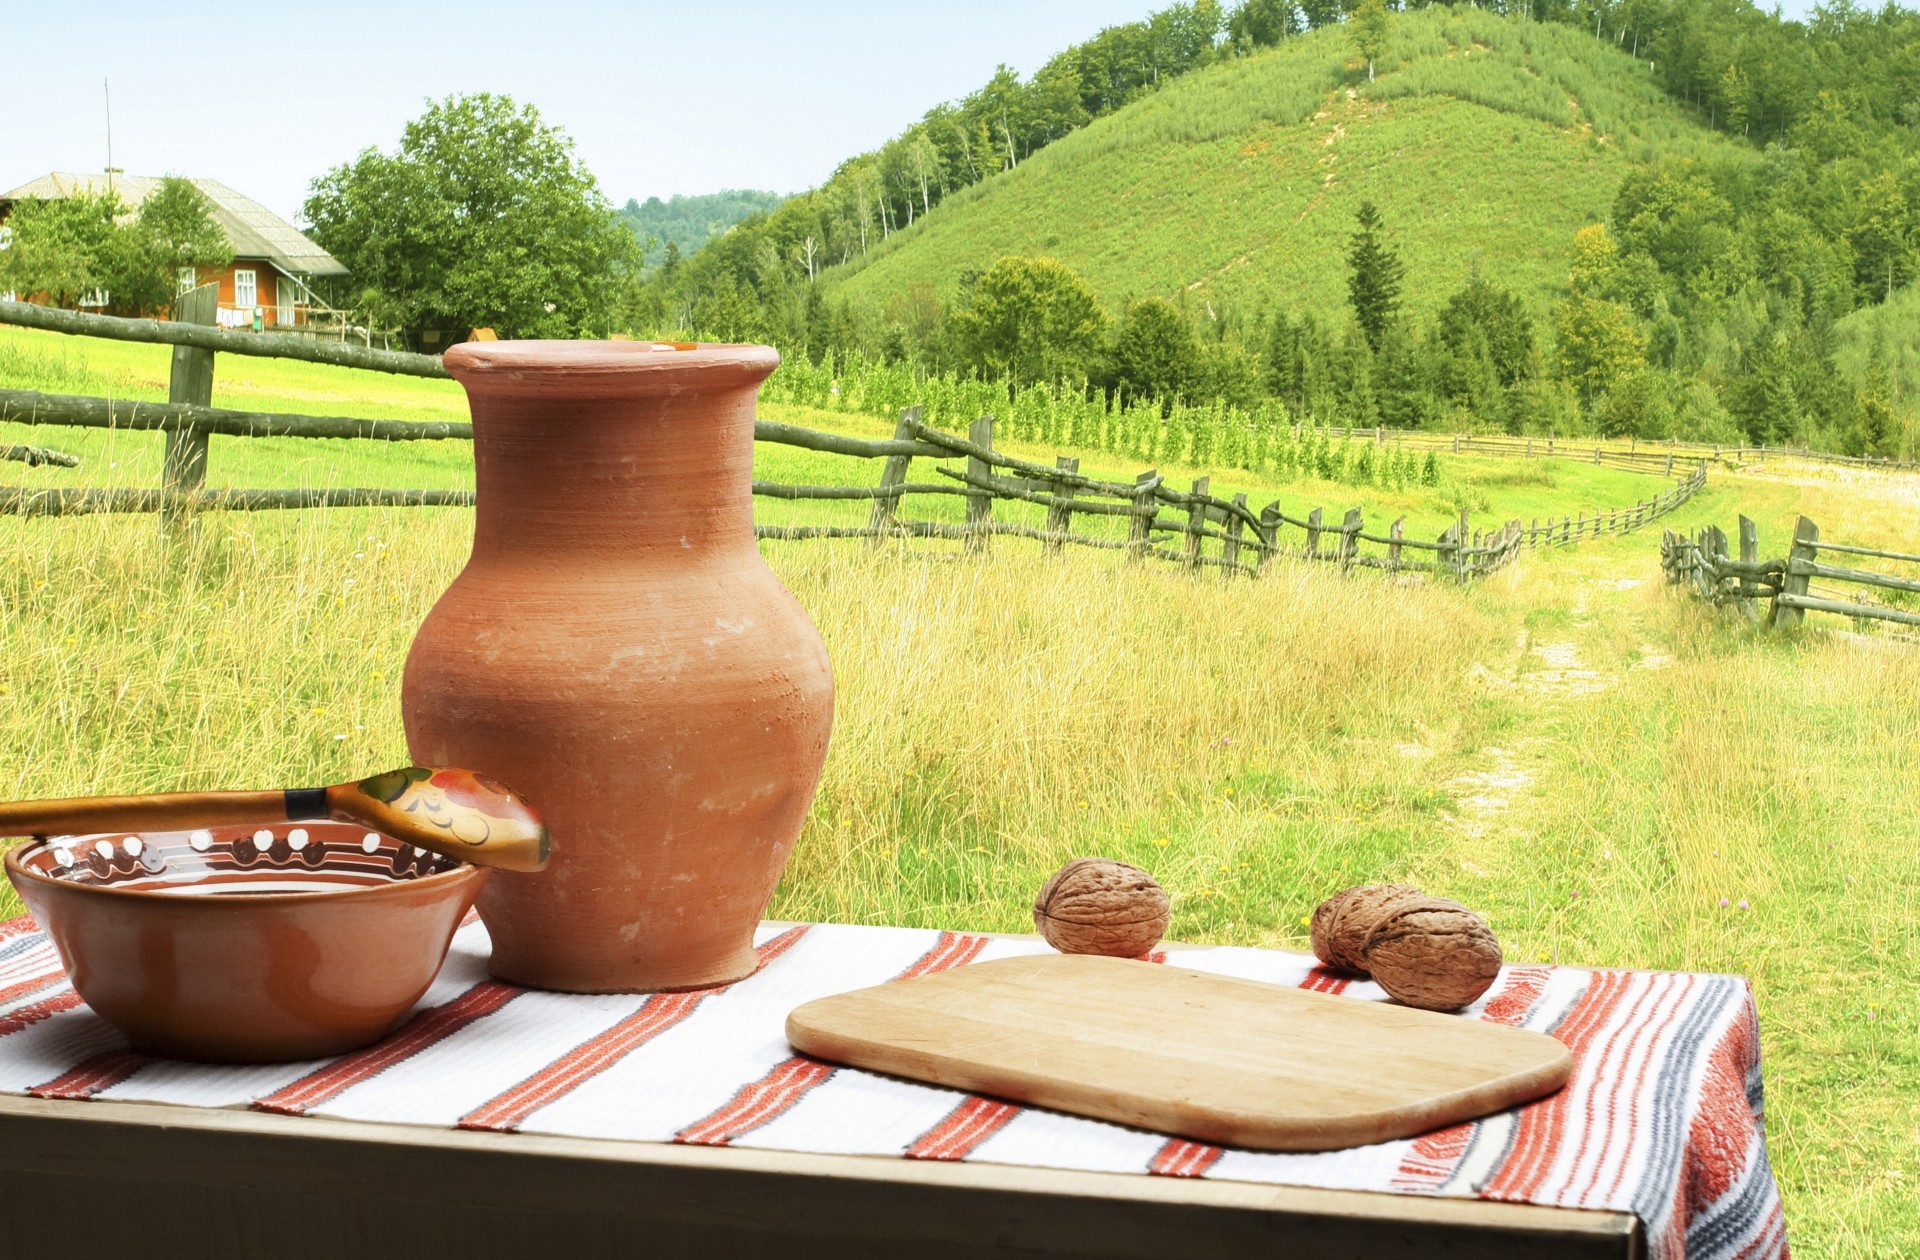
[{"x": 617, "y": 650}]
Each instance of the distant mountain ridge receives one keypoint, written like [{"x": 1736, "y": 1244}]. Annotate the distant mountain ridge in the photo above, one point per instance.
[{"x": 688, "y": 222}]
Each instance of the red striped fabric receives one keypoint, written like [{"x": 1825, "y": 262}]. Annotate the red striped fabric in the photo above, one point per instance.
[
  {"x": 19, "y": 925},
  {"x": 103, "y": 1071},
  {"x": 1181, "y": 1158},
  {"x": 1644, "y": 1043},
  {"x": 509, "y": 1109},
  {"x": 423, "y": 1030},
  {"x": 1320, "y": 980},
  {"x": 27, "y": 1016},
  {"x": 1541, "y": 1126},
  {"x": 762, "y": 1102},
  {"x": 1434, "y": 1157},
  {"x": 963, "y": 1129},
  {"x": 774, "y": 1094},
  {"x": 41, "y": 973}
]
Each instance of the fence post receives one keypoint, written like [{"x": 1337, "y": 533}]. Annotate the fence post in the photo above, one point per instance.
[
  {"x": 183, "y": 467},
  {"x": 1350, "y": 538},
  {"x": 1749, "y": 554},
  {"x": 1393, "y": 547},
  {"x": 1313, "y": 534},
  {"x": 1269, "y": 534},
  {"x": 1197, "y": 520},
  {"x": 979, "y": 503},
  {"x": 1058, "y": 512},
  {"x": 1669, "y": 463},
  {"x": 1449, "y": 552},
  {"x": 1596, "y": 455},
  {"x": 1140, "y": 524},
  {"x": 1804, "y": 533},
  {"x": 1230, "y": 552},
  {"x": 892, "y": 474}
]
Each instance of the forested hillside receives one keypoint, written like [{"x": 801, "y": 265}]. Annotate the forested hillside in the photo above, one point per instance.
[
  {"x": 1485, "y": 140},
  {"x": 1650, "y": 217},
  {"x": 682, "y": 224}
]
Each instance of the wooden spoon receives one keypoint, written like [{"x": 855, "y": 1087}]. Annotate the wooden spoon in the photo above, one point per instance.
[{"x": 455, "y": 813}]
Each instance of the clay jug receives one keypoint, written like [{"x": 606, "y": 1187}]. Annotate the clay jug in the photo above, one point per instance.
[{"x": 617, "y": 650}]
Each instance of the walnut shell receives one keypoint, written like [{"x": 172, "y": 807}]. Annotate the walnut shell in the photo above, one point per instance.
[
  {"x": 1100, "y": 906},
  {"x": 1342, "y": 921},
  {"x": 1434, "y": 954}
]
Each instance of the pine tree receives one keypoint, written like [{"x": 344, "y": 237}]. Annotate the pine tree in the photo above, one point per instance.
[{"x": 1374, "y": 274}]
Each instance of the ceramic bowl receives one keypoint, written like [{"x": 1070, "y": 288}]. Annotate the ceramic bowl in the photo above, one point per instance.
[{"x": 246, "y": 944}]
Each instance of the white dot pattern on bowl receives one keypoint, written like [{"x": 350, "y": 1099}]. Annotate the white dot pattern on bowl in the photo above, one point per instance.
[
  {"x": 104, "y": 848},
  {"x": 133, "y": 845},
  {"x": 297, "y": 839},
  {"x": 370, "y": 843},
  {"x": 263, "y": 840},
  {"x": 201, "y": 840}
]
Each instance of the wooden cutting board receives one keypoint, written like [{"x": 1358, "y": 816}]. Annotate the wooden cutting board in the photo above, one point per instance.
[{"x": 1207, "y": 1057}]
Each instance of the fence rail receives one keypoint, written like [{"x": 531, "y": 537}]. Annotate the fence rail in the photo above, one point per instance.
[{"x": 1703, "y": 561}]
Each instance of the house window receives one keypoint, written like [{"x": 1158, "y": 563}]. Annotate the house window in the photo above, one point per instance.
[
  {"x": 96, "y": 298},
  {"x": 246, "y": 293},
  {"x": 189, "y": 281}
]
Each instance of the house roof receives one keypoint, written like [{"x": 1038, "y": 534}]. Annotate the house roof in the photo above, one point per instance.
[{"x": 253, "y": 230}]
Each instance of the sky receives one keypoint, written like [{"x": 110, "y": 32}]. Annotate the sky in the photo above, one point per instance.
[{"x": 659, "y": 98}]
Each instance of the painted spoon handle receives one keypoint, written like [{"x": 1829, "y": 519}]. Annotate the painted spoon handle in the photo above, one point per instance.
[
  {"x": 171, "y": 811},
  {"x": 455, "y": 813}
]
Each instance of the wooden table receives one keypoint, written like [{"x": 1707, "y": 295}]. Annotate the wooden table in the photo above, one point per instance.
[{"x": 104, "y": 1179}]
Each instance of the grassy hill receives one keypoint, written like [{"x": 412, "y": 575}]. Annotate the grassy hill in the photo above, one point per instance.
[{"x": 1483, "y": 139}]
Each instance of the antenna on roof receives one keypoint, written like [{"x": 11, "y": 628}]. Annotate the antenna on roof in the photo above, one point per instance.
[{"x": 107, "y": 92}]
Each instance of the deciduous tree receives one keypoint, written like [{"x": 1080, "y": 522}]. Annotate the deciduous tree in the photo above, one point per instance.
[
  {"x": 1028, "y": 319},
  {"x": 482, "y": 216}
]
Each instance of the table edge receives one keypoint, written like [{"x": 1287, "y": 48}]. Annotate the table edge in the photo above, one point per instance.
[{"x": 1219, "y": 1194}]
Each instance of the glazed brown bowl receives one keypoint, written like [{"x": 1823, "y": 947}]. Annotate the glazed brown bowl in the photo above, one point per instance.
[{"x": 246, "y": 944}]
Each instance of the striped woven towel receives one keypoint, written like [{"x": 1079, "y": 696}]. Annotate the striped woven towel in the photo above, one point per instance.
[{"x": 1662, "y": 1117}]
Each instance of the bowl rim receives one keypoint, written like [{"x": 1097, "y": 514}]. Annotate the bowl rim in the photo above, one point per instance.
[{"x": 17, "y": 869}]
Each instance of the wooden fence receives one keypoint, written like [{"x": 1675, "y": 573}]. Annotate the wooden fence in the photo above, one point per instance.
[
  {"x": 1145, "y": 517},
  {"x": 1703, "y": 560}
]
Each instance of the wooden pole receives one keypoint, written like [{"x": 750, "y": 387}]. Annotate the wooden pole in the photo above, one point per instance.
[
  {"x": 894, "y": 473},
  {"x": 979, "y": 506},
  {"x": 1749, "y": 554},
  {"x": 1350, "y": 537},
  {"x": 1197, "y": 520},
  {"x": 1397, "y": 533},
  {"x": 1313, "y": 534},
  {"x": 1269, "y": 534},
  {"x": 1059, "y": 513},
  {"x": 1805, "y": 534},
  {"x": 183, "y": 468},
  {"x": 1140, "y": 526},
  {"x": 1230, "y": 551}
]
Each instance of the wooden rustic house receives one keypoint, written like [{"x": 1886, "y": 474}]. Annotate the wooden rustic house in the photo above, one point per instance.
[{"x": 274, "y": 264}]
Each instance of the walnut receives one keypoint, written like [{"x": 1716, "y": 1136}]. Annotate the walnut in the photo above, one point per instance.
[
  {"x": 1100, "y": 906},
  {"x": 1342, "y": 921},
  {"x": 1431, "y": 953}
]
